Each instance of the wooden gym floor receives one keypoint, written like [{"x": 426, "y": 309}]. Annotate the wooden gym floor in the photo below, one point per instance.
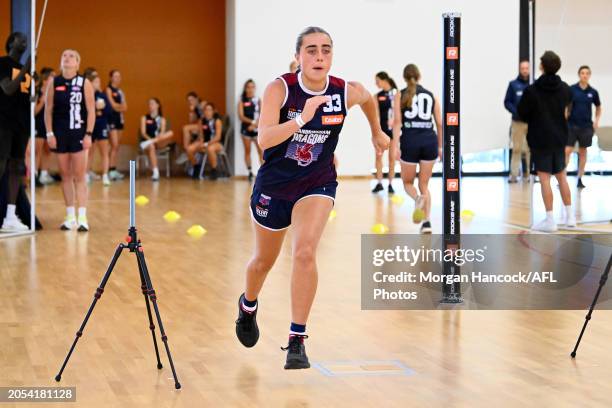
[{"x": 417, "y": 358}]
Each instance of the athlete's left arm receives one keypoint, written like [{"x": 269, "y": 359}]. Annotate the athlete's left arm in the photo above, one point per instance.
[
  {"x": 90, "y": 104},
  {"x": 358, "y": 95},
  {"x": 597, "y": 103},
  {"x": 438, "y": 120},
  {"x": 218, "y": 131}
]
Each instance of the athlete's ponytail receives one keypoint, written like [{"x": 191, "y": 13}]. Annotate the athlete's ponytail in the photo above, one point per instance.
[
  {"x": 305, "y": 32},
  {"x": 383, "y": 76},
  {"x": 412, "y": 76}
]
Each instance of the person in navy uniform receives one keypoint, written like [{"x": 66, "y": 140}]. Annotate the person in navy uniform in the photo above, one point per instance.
[
  {"x": 415, "y": 142},
  {"x": 70, "y": 116},
  {"x": 209, "y": 140},
  {"x": 154, "y": 134},
  {"x": 581, "y": 125},
  {"x": 116, "y": 97},
  {"x": 302, "y": 115},
  {"x": 41, "y": 148},
  {"x": 101, "y": 128},
  {"x": 385, "y": 98},
  {"x": 192, "y": 129},
  {"x": 518, "y": 128},
  {"x": 15, "y": 84},
  {"x": 248, "y": 112}
]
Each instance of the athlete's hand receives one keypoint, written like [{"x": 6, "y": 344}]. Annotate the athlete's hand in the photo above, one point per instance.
[
  {"x": 381, "y": 141},
  {"x": 595, "y": 125},
  {"x": 52, "y": 142},
  {"x": 86, "y": 142},
  {"x": 311, "y": 106}
]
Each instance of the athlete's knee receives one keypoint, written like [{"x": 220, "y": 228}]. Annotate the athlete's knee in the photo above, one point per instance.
[
  {"x": 260, "y": 265},
  {"x": 423, "y": 188},
  {"x": 304, "y": 254}
]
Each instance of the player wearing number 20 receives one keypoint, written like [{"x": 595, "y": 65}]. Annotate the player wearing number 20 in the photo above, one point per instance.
[{"x": 70, "y": 119}]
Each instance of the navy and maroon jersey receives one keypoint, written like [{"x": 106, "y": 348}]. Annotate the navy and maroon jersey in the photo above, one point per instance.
[
  {"x": 306, "y": 159},
  {"x": 153, "y": 125},
  {"x": 385, "y": 108},
  {"x": 69, "y": 110},
  {"x": 117, "y": 94},
  {"x": 418, "y": 119},
  {"x": 250, "y": 107},
  {"x": 209, "y": 128}
]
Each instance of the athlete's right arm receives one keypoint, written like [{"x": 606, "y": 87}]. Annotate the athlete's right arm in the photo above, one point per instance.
[
  {"x": 40, "y": 102},
  {"x": 241, "y": 116},
  {"x": 49, "y": 93},
  {"x": 271, "y": 133},
  {"x": 397, "y": 124}
]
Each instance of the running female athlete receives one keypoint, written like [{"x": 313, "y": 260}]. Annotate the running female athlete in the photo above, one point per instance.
[{"x": 301, "y": 118}]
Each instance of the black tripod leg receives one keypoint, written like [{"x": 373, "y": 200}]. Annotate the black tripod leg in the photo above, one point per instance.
[
  {"x": 97, "y": 296},
  {"x": 147, "y": 277},
  {"x": 143, "y": 286},
  {"x": 602, "y": 282}
]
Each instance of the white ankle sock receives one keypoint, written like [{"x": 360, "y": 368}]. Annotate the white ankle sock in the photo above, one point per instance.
[
  {"x": 10, "y": 211},
  {"x": 70, "y": 211},
  {"x": 82, "y": 212},
  {"x": 549, "y": 215}
]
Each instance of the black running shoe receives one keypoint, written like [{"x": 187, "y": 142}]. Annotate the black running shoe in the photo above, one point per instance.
[
  {"x": 250, "y": 176},
  {"x": 213, "y": 174},
  {"x": 426, "y": 228},
  {"x": 580, "y": 185},
  {"x": 391, "y": 190},
  {"x": 246, "y": 326},
  {"x": 296, "y": 353},
  {"x": 378, "y": 188}
]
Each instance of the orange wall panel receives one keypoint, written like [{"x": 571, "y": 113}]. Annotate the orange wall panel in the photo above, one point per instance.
[{"x": 163, "y": 49}]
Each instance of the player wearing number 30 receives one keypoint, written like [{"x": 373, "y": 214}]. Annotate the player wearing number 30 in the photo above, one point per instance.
[
  {"x": 415, "y": 142},
  {"x": 70, "y": 119},
  {"x": 301, "y": 118}
]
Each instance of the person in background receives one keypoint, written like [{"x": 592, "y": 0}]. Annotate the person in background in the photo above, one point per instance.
[
  {"x": 544, "y": 107},
  {"x": 100, "y": 132},
  {"x": 294, "y": 66},
  {"x": 154, "y": 134},
  {"x": 43, "y": 155},
  {"x": 209, "y": 140},
  {"x": 248, "y": 112},
  {"x": 15, "y": 84},
  {"x": 116, "y": 97},
  {"x": 192, "y": 129},
  {"x": 385, "y": 98},
  {"x": 581, "y": 125},
  {"x": 518, "y": 128}
]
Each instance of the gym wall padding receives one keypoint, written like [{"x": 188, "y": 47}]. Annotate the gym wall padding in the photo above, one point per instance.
[
  {"x": 5, "y": 21},
  {"x": 163, "y": 49}
]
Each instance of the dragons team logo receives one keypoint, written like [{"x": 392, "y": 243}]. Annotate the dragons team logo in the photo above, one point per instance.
[
  {"x": 263, "y": 202},
  {"x": 304, "y": 153}
]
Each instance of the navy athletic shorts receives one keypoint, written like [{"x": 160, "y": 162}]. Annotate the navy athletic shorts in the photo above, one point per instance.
[
  {"x": 419, "y": 148},
  {"x": 275, "y": 213}
]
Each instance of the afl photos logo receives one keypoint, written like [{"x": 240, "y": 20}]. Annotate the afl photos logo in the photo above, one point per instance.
[{"x": 452, "y": 53}]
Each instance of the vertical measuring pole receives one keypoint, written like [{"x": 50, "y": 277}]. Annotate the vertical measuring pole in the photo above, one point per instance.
[{"x": 451, "y": 293}]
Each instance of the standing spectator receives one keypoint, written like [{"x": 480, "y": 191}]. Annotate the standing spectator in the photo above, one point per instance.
[
  {"x": 544, "y": 107},
  {"x": 581, "y": 126},
  {"x": 14, "y": 123},
  {"x": 518, "y": 128},
  {"x": 116, "y": 97}
]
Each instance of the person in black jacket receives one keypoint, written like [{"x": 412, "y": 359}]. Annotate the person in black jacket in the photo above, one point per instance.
[{"x": 544, "y": 107}]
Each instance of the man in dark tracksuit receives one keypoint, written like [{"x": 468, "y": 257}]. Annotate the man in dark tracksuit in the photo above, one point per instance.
[
  {"x": 518, "y": 129},
  {"x": 544, "y": 106}
]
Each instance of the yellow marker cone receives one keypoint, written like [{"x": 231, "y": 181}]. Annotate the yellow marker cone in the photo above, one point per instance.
[
  {"x": 142, "y": 200},
  {"x": 380, "y": 229},
  {"x": 397, "y": 199},
  {"x": 332, "y": 215},
  {"x": 196, "y": 231},
  {"x": 467, "y": 214},
  {"x": 172, "y": 216}
]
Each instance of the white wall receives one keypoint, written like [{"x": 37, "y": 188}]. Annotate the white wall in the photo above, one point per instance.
[
  {"x": 370, "y": 36},
  {"x": 580, "y": 32}
]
